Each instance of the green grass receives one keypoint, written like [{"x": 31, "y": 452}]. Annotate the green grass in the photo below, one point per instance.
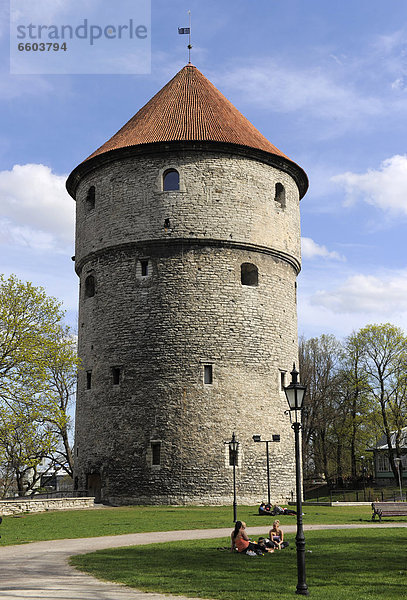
[
  {"x": 344, "y": 565},
  {"x": 54, "y": 525}
]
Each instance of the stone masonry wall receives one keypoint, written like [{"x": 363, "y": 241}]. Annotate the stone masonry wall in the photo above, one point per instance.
[
  {"x": 190, "y": 310},
  {"x": 14, "y": 507},
  {"x": 222, "y": 197}
]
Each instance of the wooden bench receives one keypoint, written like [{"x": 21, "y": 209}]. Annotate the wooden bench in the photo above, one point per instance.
[{"x": 389, "y": 509}]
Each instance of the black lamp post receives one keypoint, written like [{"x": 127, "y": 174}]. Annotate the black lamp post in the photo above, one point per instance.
[
  {"x": 397, "y": 462},
  {"x": 295, "y": 393},
  {"x": 233, "y": 450},
  {"x": 275, "y": 438},
  {"x": 362, "y": 458}
]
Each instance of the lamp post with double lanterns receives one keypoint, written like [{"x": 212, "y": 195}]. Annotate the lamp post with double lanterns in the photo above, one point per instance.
[
  {"x": 233, "y": 450},
  {"x": 275, "y": 438},
  {"x": 295, "y": 393}
]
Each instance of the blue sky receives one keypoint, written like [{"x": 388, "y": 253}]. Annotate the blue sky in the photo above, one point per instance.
[{"x": 326, "y": 82}]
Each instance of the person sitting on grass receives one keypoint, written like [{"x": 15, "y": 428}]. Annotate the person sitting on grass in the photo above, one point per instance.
[
  {"x": 240, "y": 540},
  {"x": 264, "y": 509},
  {"x": 276, "y": 536}
]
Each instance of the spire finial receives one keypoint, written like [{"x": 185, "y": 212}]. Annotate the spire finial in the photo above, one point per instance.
[{"x": 187, "y": 30}]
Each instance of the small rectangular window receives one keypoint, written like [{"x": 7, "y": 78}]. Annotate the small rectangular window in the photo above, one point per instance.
[
  {"x": 116, "y": 372},
  {"x": 282, "y": 380},
  {"x": 156, "y": 453},
  {"x": 88, "y": 380},
  {"x": 208, "y": 374},
  {"x": 144, "y": 268}
]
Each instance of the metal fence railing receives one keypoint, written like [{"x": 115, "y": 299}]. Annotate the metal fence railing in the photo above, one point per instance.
[{"x": 367, "y": 494}]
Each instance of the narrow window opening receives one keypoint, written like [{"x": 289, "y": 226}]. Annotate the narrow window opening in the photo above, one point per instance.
[
  {"x": 249, "y": 274},
  {"x": 171, "y": 180},
  {"x": 88, "y": 380},
  {"x": 167, "y": 224},
  {"x": 282, "y": 380},
  {"x": 156, "y": 453},
  {"x": 233, "y": 457},
  {"x": 90, "y": 286},
  {"x": 280, "y": 194},
  {"x": 116, "y": 373},
  {"x": 90, "y": 198},
  {"x": 208, "y": 374},
  {"x": 144, "y": 268}
]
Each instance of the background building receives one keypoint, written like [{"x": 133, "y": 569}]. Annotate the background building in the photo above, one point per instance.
[
  {"x": 383, "y": 473},
  {"x": 187, "y": 250}
]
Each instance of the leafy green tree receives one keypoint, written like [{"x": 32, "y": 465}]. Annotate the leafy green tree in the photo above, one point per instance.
[
  {"x": 355, "y": 392},
  {"x": 384, "y": 360},
  {"x": 37, "y": 375},
  {"x": 356, "y": 400},
  {"x": 62, "y": 366},
  {"x": 26, "y": 440},
  {"x": 28, "y": 323}
]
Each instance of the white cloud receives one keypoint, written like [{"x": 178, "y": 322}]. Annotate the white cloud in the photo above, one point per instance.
[
  {"x": 310, "y": 250},
  {"x": 350, "y": 302},
  {"x": 385, "y": 188},
  {"x": 36, "y": 210},
  {"x": 399, "y": 84},
  {"x": 369, "y": 294},
  {"x": 286, "y": 88}
]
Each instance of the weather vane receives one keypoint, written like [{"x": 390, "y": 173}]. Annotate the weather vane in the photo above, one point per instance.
[{"x": 187, "y": 30}]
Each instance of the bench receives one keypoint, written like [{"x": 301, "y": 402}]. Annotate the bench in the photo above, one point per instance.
[{"x": 389, "y": 509}]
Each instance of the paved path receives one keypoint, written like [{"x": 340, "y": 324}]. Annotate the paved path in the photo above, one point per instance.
[{"x": 40, "y": 570}]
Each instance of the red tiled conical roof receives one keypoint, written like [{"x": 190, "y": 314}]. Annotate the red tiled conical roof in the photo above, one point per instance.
[{"x": 188, "y": 108}]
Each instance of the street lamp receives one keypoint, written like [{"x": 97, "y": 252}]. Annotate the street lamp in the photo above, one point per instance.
[
  {"x": 295, "y": 393},
  {"x": 233, "y": 450},
  {"x": 397, "y": 462},
  {"x": 275, "y": 438},
  {"x": 362, "y": 458}
]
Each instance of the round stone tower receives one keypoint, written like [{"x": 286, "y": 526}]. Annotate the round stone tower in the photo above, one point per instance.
[{"x": 187, "y": 250}]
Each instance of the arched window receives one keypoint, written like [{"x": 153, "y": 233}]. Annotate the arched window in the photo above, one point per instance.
[
  {"x": 249, "y": 274},
  {"x": 90, "y": 198},
  {"x": 90, "y": 286},
  {"x": 170, "y": 180},
  {"x": 280, "y": 194}
]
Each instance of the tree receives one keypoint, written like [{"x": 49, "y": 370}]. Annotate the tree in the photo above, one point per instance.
[
  {"x": 355, "y": 390},
  {"x": 37, "y": 373},
  {"x": 26, "y": 440},
  {"x": 384, "y": 360},
  {"x": 319, "y": 362},
  {"x": 62, "y": 366}
]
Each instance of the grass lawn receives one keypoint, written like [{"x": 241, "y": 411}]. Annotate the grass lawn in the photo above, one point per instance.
[
  {"x": 344, "y": 565},
  {"x": 113, "y": 521}
]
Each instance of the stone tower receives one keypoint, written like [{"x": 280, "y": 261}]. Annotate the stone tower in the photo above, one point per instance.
[{"x": 187, "y": 250}]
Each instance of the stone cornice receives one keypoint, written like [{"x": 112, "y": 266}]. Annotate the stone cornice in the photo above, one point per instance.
[{"x": 188, "y": 243}]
